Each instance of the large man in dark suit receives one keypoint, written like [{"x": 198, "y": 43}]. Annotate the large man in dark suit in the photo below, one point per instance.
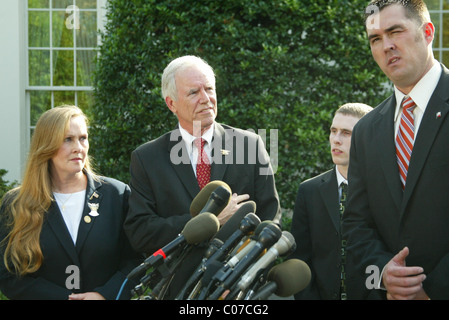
[
  {"x": 163, "y": 171},
  {"x": 397, "y": 231},
  {"x": 316, "y": 222}
]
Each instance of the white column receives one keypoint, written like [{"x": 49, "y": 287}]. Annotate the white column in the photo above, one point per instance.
[{"x": 13, "y": 115}]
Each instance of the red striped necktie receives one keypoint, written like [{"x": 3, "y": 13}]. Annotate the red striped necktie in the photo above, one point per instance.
[
  {"x": 203, "y": 164},
  {"x": 405, "y": 138}
]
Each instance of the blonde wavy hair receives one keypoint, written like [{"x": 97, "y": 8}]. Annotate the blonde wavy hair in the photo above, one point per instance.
[{"x": 28, "y": 203}]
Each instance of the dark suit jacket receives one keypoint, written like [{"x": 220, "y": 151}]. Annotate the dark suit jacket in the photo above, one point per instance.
[
  {"x": 380, "y": 219},
  {"x": 102, "y": 252},
  {"x": 163, "y": 185},
  {"x": 316, "y": 228}
]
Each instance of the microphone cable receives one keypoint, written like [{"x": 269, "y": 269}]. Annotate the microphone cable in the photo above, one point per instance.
[{"x": 121, "y": 289}]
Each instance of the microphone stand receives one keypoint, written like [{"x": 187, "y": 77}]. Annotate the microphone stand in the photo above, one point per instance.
[
  {"x": 165, "y": 272},
  {"x": 168, "y": 271}
]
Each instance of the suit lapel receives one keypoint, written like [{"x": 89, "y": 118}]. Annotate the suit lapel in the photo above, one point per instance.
[
  {"x": 222, "y": 152},
  {"x": 433, "y": 118},
  {"x": 384, "y": 134},
  {"x": 59, "y": 228},
  {"x": 93, "y": 196},
  {"x": 183, "y": 167},
  {"x": 57, "y": 224},
  {"x": 329, "y": 195}
]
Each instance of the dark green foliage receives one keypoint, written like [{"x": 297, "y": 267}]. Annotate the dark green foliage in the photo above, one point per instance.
[
  {"x": 5, "y": 186},
  {"x": 284, "y": 65}
]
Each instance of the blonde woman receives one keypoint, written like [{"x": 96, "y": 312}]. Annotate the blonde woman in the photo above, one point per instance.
[{"x": 61, "y": 230}]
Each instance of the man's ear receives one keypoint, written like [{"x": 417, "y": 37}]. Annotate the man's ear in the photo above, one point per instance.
[
  {"x": 429, "y": 31},
  {"x": 170, "y": 104}
]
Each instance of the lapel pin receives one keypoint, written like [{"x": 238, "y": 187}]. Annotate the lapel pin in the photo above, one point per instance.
[
  {"x": 87, "y": 219},
  {"x": 93, "y": 209},
  {"x": 438, "y": 115},
  {"x": 224, "y": 152},
  {"x": 95, "y": 195}
]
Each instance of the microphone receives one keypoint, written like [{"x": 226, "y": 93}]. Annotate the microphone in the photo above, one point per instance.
[
  {"x": 213, "y": 198},
  {"x": 227, "y": 276},
  {"x": 243, "y": 224},
  {"x": 248, "y": 224},
  {"x": 242, "y": 249},
  {"x": 196, "y": 230},
  {"x": 239, "y": 252},
  {"x": 233, "y": 222},
  {"x": 284, "y": 246},
  {"x": 285, "y": 279}
]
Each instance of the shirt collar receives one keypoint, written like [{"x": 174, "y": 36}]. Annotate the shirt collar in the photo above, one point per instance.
[
  {"x": 340, "y": 178},
  {"x": 188, "y": 138},
  {"x": 422, "y": 91}
]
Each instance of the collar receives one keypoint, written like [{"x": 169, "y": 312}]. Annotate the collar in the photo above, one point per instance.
[
  {"x": 93, "y": 184},
  {"x": 340, "y": 178},
  {"x": 188, "y": 138},
  {"x": 422, "y": 91}
]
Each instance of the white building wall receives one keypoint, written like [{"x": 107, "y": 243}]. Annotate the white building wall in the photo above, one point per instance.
[{"x": 13, "y": 115}]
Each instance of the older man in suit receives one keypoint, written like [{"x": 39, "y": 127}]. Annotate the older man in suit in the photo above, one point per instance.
[
  {"x": 316, "y": 222},
  {"x": 397, "y": 220},
  {"x": 164, "y": 171}
]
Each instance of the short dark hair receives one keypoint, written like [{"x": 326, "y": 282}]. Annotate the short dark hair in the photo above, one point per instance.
[
  {"x": 357, "y": 110},
  {"x": 414, "y": 9}
]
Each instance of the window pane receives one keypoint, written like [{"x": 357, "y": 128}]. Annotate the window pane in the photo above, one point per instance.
[
  {"x": 39, "y": 67},
  {"x": 446, "y": 58},
  {"x": 86, "y": 35},
  {"x": 87, "y": 4},
  {"x": 435, "y": 17},
  {"x": 85, "y": 102},
  {"x": 62, "y": 4},
  {"x": 38, "y": 4},
  {"x": 63, "y": 97},
  {"x": 63, "y": 68},
  {"x": 38, "y": 29},
  {"x": 62, "y": 36},
  {"x": 40, "y": 101},
  {"x": 433, "y": 4},
  {"x": 446, "y": 30},
  {"x": 445, "y": 4},
  {"x": 85, "y": 64}
]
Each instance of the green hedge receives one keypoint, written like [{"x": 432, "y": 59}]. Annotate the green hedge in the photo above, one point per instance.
[
  {"x": 4, "y": 187},
  {"x": 284, "y": 65}
]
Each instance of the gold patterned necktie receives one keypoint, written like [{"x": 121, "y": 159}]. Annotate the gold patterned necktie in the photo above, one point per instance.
[{"x": 343, "y": 242}]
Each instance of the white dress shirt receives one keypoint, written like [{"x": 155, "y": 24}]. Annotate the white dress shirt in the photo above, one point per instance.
[
  {"x": 192, "y": 150},
  {"x": 420, "y": 94}
]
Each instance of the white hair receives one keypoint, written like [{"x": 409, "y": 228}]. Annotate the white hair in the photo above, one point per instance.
[{"x": 168, "y": 81}]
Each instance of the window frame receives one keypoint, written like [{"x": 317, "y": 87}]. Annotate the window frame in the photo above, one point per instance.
[
  {"x": 51, "y": 88},
  {"x": 438, "y": 44}
]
